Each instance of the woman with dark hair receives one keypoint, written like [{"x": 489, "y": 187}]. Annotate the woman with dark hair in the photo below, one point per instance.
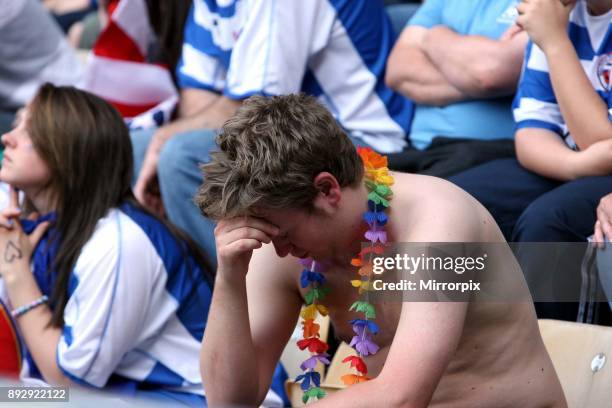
[{"x": 102, "y": 292}]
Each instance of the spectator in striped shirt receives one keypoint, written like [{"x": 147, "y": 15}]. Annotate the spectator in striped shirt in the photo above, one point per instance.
[
  {"x": 333, "y": 49},
  {"x": 110, "y": 297},
  {"x": 563, "y": 111}
]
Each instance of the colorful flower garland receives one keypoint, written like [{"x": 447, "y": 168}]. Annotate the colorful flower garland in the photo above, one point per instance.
[{"x": 377, "y": 181}]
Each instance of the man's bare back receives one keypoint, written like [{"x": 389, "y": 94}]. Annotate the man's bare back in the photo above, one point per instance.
[{"x": 500, "y": 359}]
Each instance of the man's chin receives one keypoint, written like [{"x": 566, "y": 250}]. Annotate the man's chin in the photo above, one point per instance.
[{"x": 300, "y": 254}]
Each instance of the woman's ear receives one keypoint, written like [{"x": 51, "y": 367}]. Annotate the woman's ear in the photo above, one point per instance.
[{"x": 329, "y": 193}]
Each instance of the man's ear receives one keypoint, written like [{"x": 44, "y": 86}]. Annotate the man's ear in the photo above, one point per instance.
[{"x": 329, "y": 193}]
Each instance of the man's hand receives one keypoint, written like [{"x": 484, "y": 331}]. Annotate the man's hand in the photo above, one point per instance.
[
  {"x": 603, "y": 225},
  {"x": 596, "y": 160},
  {"x": 236, "y": 238},
  {"x": 146, "y": 188},
  {"x": 545, "y": 20}
]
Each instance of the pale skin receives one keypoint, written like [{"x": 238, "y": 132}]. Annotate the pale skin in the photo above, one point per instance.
[
  {"x": 446, "y": 354},
  {"x": 438, "y": 66},
  {"x": 603, "y": 225},
  {"x": 23, "y": 168},
  {"x": 584, "y": 112},
  {"x": 198, "y": 109}
]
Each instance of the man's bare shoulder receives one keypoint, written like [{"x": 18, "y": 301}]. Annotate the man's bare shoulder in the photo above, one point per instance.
[{"x": 431, "y": 209}]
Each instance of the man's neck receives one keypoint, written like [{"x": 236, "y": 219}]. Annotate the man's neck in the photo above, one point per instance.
[{"x": 350, "y": 220}]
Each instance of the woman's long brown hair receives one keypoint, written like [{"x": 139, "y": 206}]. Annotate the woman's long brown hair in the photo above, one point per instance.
[{"x": 87, "y": 148}]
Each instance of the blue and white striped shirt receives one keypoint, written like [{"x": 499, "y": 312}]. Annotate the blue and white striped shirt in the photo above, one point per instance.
[
  {"x": 136, "y": 312},
  {"x": 535, "y": 104},
  {"x": 333, "y": 49}
]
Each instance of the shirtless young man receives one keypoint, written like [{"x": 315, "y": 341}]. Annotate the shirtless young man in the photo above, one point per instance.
[{"x": 287, "y": 184}]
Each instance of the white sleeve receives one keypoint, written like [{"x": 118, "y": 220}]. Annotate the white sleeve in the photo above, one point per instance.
[
  {"x": 110, "y": 291},
  {"x": 198, "y": 66},
  {"x": 272, "y": 52}
]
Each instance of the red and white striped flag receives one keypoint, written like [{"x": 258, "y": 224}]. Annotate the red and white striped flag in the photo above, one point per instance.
[{"x": 117, "y": 70}]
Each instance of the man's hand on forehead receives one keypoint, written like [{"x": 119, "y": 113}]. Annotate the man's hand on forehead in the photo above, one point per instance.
[
  {"x": 251, "y": 221},
  {"x": 237, "y": 237}
]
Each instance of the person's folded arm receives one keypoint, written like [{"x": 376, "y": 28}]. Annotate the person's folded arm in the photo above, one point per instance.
[
  {"x": 544, "y": 152},
  {"x": 412, "y": 73},
  {"x": 478, "y": 66}
]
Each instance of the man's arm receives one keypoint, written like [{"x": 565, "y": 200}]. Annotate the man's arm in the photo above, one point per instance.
[
  {"x": 585, "y": 114},
  {"x": 412, "y": 73},
  {"x": 426, "y": 338},
  {"x": 199, "y": 109},
  {"x": 251, "y": 316},
  {"x": 545, "y": 153},
  {"x": 478, "y": 66}
]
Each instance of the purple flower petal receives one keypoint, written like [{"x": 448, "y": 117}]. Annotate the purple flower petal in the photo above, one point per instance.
[
  {"x": 314, "y": 265},
  {"x": 358, "y": 329},
  {"x": 311, "y": 362}
]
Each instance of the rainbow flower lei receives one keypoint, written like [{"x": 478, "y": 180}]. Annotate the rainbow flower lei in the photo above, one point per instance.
[{"x": 377, "y": 181}]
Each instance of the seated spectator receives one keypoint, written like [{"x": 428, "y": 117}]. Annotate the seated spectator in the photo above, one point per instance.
[
  {"x": 33, "y": 51},
  {"x": 460, "y": 62},
  {"x": 333, "y": 49},
  {"x": 103, "y": 293},
  {"x": 288, "y": 184},
  {"x": 564, "y": 134},
  {"x": 564, "y": 129}
]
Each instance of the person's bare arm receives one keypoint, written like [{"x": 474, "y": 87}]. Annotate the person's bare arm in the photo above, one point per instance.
[
  {"x": 584, "y": 112},
  {"x": 416, "y": 360},
  {"x": 478, "y": 66},
  {"x": 412, "y": 73},
  {"x": 545, "y": 153},
  {"x": 17, "y": 247},
  {"x": 199, "y": 109},
  {"x": 193, "y": 101},
  {"x": 251, "y": 316}
]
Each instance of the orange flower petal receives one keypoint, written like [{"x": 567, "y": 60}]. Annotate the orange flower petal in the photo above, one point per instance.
[{"x": 350, "y": 379}]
